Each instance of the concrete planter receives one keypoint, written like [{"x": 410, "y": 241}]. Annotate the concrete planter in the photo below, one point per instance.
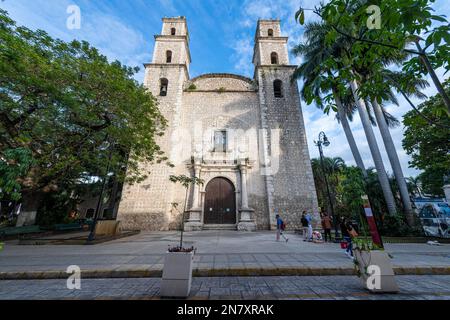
[
  {"x": 177, "y": 274},
  {"x": 382, "y": 260}
]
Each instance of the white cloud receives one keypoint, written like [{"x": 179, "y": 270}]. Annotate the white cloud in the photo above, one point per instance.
[
  {"x": 243, "y": 47},
  {"x": 112, "y": 36}
]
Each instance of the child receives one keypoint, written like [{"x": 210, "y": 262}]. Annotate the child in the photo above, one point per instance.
[{"x": 280, "y": 228}]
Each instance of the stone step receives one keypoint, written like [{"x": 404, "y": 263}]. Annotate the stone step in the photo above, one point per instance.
[{"x": 219, "y": 227}]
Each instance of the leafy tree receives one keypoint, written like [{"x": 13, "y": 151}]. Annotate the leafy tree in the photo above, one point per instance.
[
  {"x": 348, "y": 185},
  {"x": 352, "y": 190},
  {"x": 337, "y": 59},
  {"x": 429, "y": 145},
  {"x": 63, "y": 106},
  {"x": 334, "y": 167},
  {"x": 432, "y": 182},
  {"x": 414, "y": 186},
  {"x": 14, "y": 163},
  {"x": 185, "y": 181},
  {"x": 409, "y": 26}
]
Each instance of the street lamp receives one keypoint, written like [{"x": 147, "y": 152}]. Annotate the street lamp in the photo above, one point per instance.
[
  {"x": 323, "y": 140},
  {"x": 100, "y": 198}
]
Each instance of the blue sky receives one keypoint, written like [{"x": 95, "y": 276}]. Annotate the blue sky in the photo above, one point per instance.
[{"x": 221, "y": 34}]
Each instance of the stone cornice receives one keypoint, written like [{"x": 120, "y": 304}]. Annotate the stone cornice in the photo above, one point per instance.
[
  {"x": 221, "y": 91},
  {"x": 270, "y": 39},
  {"x": 169, "y": 65}
]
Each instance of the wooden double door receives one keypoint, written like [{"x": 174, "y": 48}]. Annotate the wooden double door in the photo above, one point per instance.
[{"x": 220, "y": 202}]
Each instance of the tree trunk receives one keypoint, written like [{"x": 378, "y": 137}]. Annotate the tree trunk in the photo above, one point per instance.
[
  {"x": 395, "y": 163},
  {"x": 349, "y": 134},
  {"x": 378, "y": 161},
  {"x": 113, "y": 199},
  {"x": 434, "y": 77},
  {"x": 28, "y": 210}
]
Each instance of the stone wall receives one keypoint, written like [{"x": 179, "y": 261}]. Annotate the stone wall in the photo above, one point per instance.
[
  {"x": 220, "y": 82},
  {"x": 147, "y": 206},
  {"x": 237, "y": 112},
  {"x": 291, "y": 188},
  {"x": 265, "y": 132}
]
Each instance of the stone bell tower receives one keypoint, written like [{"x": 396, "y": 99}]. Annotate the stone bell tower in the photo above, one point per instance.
[
  {"x": 289, "y": 179},
  {"x": 147, "y": 205}
]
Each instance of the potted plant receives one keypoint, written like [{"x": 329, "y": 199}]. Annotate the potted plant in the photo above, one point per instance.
[
  {"x": 177, "y": 270},
  {"x": 373, "y": 266}
]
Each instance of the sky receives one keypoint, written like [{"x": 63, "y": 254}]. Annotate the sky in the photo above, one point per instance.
[{"x": 221, "y": 40}]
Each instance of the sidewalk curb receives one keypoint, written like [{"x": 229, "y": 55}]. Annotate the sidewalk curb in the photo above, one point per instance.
[{"x": 235, "y": 272}]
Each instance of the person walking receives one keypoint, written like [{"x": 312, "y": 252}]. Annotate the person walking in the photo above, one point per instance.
[
  {"x": 326, "y": 225},
  {"x": 280, "y": 228},
  {"x": 347, "y": 233},
  {"x": 310, "y": 228},
  {"x": 305, "y": 226}
]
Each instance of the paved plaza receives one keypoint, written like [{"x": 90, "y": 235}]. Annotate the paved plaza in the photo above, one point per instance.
[
  {"x": 236, "y": 288},
  {"x": 226, "y": 253},
  {"x": 228, "y": 265}
]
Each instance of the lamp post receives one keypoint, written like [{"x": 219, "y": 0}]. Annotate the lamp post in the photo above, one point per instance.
[
  {"x": 100, "y": 198},
  {"x": 323, "y": 140}
]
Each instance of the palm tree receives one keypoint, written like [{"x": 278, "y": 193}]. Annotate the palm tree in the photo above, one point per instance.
[
  {"x": 333, "y": 167},
  {"x": 314, "y": 83},
  {"x": 392, "y": 79},
  {"x": 375, "y": 151},
  {"x": 315, "y": 51},
  {"x": 414, "y": 185}
]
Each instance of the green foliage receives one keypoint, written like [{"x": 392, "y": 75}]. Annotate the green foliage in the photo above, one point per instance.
[
  {"x": 432, "y": 181},
  {"x": 365, "y": 244},
  {"x": 61, "y": 101},
  {"x": 55, "y": 209},
  {"x": 396, "y": 226},
  {"x": 352, "y": 186},
  {"x": 402, "y": 22},
  {"x": 428, "y": 145},
  {"x": 347, "y": 187},
  {"x": 185, "y": 181},
  {"x": 14, "y": 164},
  {"x": 192, "y": 87},
  {"x": 333, "y": 168}
]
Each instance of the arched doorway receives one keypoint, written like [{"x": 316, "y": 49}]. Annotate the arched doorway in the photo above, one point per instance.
[{"x": 220, "y": 202}]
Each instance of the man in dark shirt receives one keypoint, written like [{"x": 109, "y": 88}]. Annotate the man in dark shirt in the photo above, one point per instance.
[{"x": 326, "y": 225}]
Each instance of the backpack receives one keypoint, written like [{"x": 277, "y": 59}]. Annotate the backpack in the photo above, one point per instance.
[
  {"x": 304, "y": 222},
  {"x": 283, "y": 225}
]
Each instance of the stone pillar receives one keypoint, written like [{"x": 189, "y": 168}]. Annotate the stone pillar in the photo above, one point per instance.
[
  {"x": 194, "y": 221},
  {"x": 246, "y": 222}
]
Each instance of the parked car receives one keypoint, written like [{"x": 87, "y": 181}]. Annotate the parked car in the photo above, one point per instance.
[{"x": 435, "y": 218}]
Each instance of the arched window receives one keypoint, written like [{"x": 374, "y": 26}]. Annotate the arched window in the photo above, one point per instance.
[
  {"x": 274, "y": 58},
  {"x": 168, "y": 56},
  {"x": 270, "y": 32},
  {"x": 173, "y": 31},
  {"x": 164, "y": 85},
  {"x": 278, "y": 88}
]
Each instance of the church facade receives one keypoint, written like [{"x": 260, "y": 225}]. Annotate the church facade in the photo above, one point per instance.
[{"x": 244, "y": 138}]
